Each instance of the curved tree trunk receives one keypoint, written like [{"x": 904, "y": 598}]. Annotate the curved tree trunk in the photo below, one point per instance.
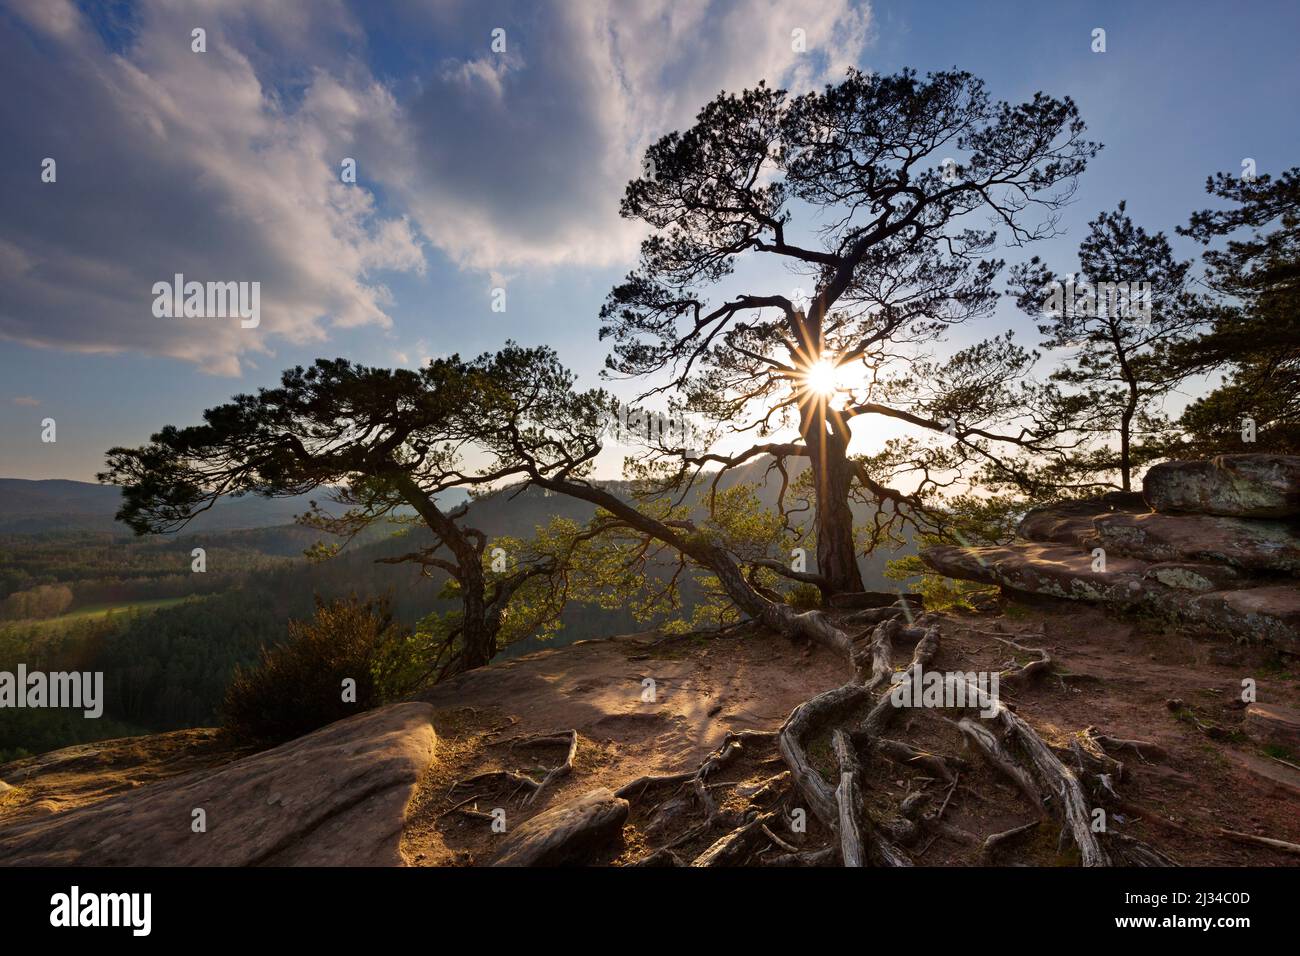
[{"x": 478, "y": 627}]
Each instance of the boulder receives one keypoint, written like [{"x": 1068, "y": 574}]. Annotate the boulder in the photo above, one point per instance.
[
  {"x": 1252, "y": 545},
  {"x": 1274, "y": 724},
  {"x": 1194, "y": 576},
  {"x": 1069, "y": 522},
  {"x": 1264, "y": 613},
  {"x": 336, "y": 797},
  {"x": 1270, "y": 614},
  {"x": 1066, "y": 522},
  {"x": 1246, "y": 486},
  {"x": 1045, "y": 569},
  {"x": 569, "y": 833}
]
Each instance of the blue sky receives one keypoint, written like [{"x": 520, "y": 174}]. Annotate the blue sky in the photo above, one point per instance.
[{"x": 479, "y": 169}]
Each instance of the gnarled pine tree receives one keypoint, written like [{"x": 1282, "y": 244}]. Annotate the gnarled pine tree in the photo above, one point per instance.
[
  {"x": 905, "y": 184},
  {"x": 380, "y": 442}
]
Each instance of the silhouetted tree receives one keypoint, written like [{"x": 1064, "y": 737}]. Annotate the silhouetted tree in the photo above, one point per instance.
[
  {"x": 1255, "y": 322},
  {"x": 379, "y": 441},
  {"x": 1120, "y": 317},
  {"x": 896, "y": 176}
]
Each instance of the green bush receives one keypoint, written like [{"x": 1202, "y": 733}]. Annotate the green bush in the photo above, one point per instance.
[
  {"x": 804, "y": 597},
  {"x": 298, "y": 685}
]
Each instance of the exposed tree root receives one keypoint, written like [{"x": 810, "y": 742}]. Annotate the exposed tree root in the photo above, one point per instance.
[
  {"x": 826, "y": 856},
  {"x": 848, "y": 797},
  {"x": 1143, "y": 748},
  {"x": 986, "y": 743},
  {"x": 521, "y": 781},
  {"x": 556, "y": 772},
  {"x": 830, "y": 743},
  {"x": 1031, "y": 670},
  {"x": 1282, "y": 845},
  {"x": 995, "y": 840},
  {"x": 738, "y": 845},
  {"x": 941, "y": 767}
]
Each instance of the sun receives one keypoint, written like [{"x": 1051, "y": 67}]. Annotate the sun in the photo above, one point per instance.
[{"x": 821, "y": 378}]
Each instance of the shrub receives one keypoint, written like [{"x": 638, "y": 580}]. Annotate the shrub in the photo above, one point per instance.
[
  {"x": 297, "y": 686},
  {"x": 804, "y": 597}
]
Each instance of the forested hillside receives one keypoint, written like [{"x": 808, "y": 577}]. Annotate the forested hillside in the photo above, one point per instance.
[{"x": 168, "y": 639}]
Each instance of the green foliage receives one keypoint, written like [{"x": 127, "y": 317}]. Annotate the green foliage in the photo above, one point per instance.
[
  {"x": 969, "y": 521},
  {"x": 940, "y": 593},
  {"x": 44, "y": 600},
  {"x": 298, "y": 686},
  {"x": 1116, "y": 360},
  {"x": 804, "y": 597},
  {"x": 1254, "y": 332}
]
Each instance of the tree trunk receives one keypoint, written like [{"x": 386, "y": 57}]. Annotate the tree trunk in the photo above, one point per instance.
[
  {"x": 1125, "y": 456},
  {"x": 477, "y": 633},
  {"x": 837, "y": 559}
]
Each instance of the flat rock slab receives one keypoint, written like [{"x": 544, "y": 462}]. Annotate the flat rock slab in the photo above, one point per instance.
[
  {"x": 567, "y": 834},
  {"x": 1246, "y": 486},
  {"x": 1070, "y": 522},
  {"x": 1270, "y": 614},
  {"x": 1252, "y": 545},
  {"x": 336, "y": 797},
  {"x": 1274, "y": 724},
  {"x": 1051, "y": 570}
]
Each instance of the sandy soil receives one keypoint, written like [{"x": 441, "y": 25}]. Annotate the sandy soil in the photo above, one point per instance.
[{"x": 1123, "y": 673}]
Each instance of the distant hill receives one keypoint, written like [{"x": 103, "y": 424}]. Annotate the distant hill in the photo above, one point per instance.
[
  {"x": 53, "y": 505},
  {"x": 59, "y": 505}
]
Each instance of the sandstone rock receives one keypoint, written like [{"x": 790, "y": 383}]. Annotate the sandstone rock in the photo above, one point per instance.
[
  {"x": 1269, "y": 613},
  {"x": 1194, "y": 576},
  {"x": 1051, "y": 570},
  {"x": 1070, "y": 522},
  {"x": 1253, "y": 545},
  {"x": 568, "y": 833},
  {"x": 1248, "y": 486},
  {"x": 1274, "y": 724},
  {"x": 336, "y": 797}
]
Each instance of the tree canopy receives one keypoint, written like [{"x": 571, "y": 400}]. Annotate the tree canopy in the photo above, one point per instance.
[{"x": 891, "y": 176}]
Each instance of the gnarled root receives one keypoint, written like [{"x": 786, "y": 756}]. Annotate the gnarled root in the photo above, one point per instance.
[
  {"x": 521, "y": 781},
  {"x": 851, "y": 721}
]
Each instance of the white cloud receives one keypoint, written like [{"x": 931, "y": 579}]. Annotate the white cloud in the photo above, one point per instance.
[
  {"x": 224, "y": 165},
  {"x": 171, "y": 161},
  {"x": 522, "y": 159}
]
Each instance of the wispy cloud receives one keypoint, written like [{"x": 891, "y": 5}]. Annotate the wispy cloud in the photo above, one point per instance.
[
  {"x": 225, "y": 165},
  {"x": 171, "y": 161},
  {"x": 523, "y": 154}
]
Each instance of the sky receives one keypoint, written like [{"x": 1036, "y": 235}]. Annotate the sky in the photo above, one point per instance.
[{"x": 481, "y": 168}]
